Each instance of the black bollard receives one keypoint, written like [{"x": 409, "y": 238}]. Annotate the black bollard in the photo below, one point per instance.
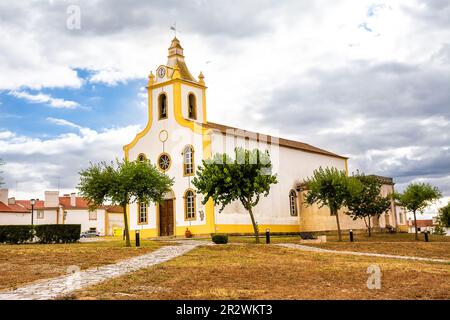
[
  {"x": 426, "y": 236},
  {"x": 138, "y": 240},
  {"x": 351, "y": 235},
  {"x": 267, "y": 236}
]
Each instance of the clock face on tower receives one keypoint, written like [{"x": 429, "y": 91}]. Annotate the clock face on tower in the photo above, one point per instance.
[{"x": 161, "y": 72}]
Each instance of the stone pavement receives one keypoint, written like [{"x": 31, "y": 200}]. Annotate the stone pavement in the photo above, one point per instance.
[
  {"x": 354, "y": 253},
  {"x": 60, "y": 286}
]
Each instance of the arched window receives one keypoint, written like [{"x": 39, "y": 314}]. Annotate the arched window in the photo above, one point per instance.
[
  {"x": 142, "y": 213},
  {"x": 142, "y": 157},
  {"x": 293, "y": 203},
  {"x": 188, "y": 161},
  {"x": 189, "y": 205},
  {"x": 192, "y": 107},
  {"x": 162, "y": 106}
]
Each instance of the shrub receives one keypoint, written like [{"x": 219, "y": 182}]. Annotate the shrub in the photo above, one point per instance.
[
  {"x": 58, "y": 233},
  {"x": 220, "y": 238},
  {"x": 16, "y": 234}
]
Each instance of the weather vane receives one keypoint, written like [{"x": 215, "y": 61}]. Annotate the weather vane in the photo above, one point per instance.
[{"x": 174, "y": 28}]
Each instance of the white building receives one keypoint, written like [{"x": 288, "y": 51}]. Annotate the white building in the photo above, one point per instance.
[
  {"x": 67, "y": 209},
  {"x": 178, "y": 137},
  {"x": 402, "y": 218}
]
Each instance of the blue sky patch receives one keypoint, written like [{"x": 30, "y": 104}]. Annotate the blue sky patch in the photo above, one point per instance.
[{"x": 98, "y": 106}]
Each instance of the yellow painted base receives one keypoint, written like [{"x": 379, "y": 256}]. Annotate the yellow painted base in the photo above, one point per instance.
[
  {"x": 144, "y": 233},
  {"x": 248, "y": 228},
  {"x": 179, "y": 231},
  {"x": 221, "y": 228}
]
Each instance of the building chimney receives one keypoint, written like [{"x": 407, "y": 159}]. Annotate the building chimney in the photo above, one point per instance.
[
  {"x": 4, "y": 196},
  {"x": 51, "y": 199},
  {"x": 12, "y": 200},
  {"x": 73, "y": 199}
]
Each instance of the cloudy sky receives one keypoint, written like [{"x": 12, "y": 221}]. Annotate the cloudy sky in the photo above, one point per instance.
[{"x": 369, "y": 80}]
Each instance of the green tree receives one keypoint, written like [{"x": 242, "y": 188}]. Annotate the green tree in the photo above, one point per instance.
[
  {"x": 244, "y": 178},
  {"x": 332, "y": 188},
  {"x": 122, "y": 183},
  {"x": 443, "y": 220},
  {"x": 439, "y": 228},
  {"x": 417, "y": 197},
  {"x": 367, "y": 202}
]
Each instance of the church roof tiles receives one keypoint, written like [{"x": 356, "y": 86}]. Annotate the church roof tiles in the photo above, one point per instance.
[{"x": 271, "y": 139}]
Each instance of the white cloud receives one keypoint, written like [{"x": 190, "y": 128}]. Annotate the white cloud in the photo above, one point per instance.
[
  {"x": 36, "y": 165},
  {"x": 45, "y": 99},
  {"x": 62, "y": 122},
  {"x": 109, "y": 77},
  {"x": 254, "y": 56}
]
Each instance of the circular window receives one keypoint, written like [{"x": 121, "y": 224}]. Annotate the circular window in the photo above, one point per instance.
[
  {"x": 142, "y": 157},
  {"x": 164, "y": 162},
  {"x": 163, "y": 135}
]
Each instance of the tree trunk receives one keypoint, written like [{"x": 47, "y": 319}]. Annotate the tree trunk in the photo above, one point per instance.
[
  {"x": 415, "y": 225},
  {"x": 125, "y": 221},
  {"x": 367, "y": 223},
  {"x": 369, "y": 227},
  {"x": 255, "y": 227},
  {"x": 338, "y": 225}
]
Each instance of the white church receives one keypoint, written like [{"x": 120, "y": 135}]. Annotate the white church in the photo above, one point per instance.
[{"x": 178, "y": 137}]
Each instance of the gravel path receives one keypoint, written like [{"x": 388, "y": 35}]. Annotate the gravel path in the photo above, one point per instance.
[
  {"x": 60, "y": 286},
  {"x": 354, "y": 253}
]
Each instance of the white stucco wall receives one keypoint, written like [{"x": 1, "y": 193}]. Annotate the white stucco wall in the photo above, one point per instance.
[
  {"x": 115, "y": 220},
  {"x": 82, "y": 217},
  {"x": 50, "y": 217},
  {"x": 402, "y": 217},
  {"x": 290, "y": 165},
  {"x": 9, "y": 218}
]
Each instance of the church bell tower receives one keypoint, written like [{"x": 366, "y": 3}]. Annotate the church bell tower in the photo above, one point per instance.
[{"x": 188, "y": 95}]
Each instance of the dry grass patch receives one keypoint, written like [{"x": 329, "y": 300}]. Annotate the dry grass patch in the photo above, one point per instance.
[
  {"x": 376, "y": 237},
  {"x": 402, "y": 244},
  {"x": 21, "y": 264},
  {"x": 389, "y": 237},
  {"x": 272, "y": 272},
  {"x": 437, "y": 250}
]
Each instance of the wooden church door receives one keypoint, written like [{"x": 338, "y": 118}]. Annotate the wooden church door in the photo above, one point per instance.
[{"x": 166, "y": 226}]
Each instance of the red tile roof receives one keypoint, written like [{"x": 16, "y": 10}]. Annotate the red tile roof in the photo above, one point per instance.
[
  {"x": 422, "y": 223},
  {"x": 24, "y": 206},
  {"x": 14, "y": 208},
  {"x": 27, "y": 204},
  {"x": 114, "y": 209},
  {"x": 80, "y": 203},
  {"x": 270, "y": 139}
]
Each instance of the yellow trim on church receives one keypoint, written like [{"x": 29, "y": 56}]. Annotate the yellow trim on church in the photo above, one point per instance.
[
  {"x": 141, "y": 134},
  {"x": 248, "y": 228}
]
